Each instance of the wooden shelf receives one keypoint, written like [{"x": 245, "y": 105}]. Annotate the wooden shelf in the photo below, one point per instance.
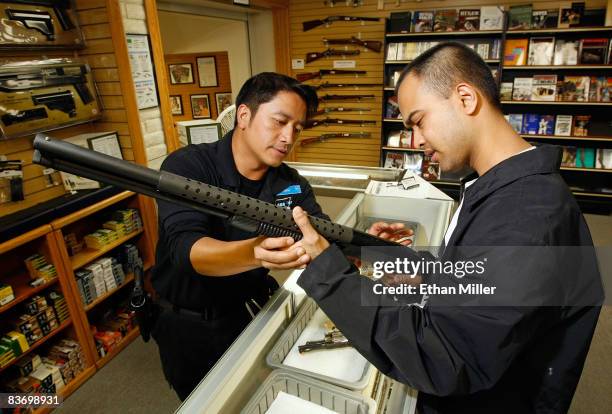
[
  {"x": 561, "y": 30},
  {"x": 88, "y": 255},
  {"x": 556, "y": 67},
  {"x": 598, "y": 170},
  {"x": 22, "y": 290},
  {"x": 571, "y": 138},
  {"x": 24, "y": 238},
  {"x": 78, "y": 215},
  {"x": 125, "y": 341},
  {"x": 403, "y": 149},
  {"x": 589, "y": 194},
  {"x": 38, "y": 343},
  {"x": 129, "y": 278},
  {"x": 557, "y": 103},
  {"x": 454, "y": 33},
  {"x": 389, "y": 88},
  {"x": 400, "y": 121}
]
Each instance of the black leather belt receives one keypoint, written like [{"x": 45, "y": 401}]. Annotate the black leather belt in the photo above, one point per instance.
[{"x": 210, "y": 313}]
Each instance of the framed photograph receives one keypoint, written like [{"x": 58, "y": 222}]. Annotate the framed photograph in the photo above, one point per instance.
[
  {"x": 223, "y": 99},
  {"x": 207, "y": 71},
  {"x": 180, "y": 73},
  {"x": 106, "y": 144},
  {"x": 200, "y": 106},
  {"x": 200, "y": 134},
  {"x": 176, "y": 105}
]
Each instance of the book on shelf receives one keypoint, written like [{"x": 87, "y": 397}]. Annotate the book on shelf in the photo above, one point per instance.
[
  {"x": 585, "y": 157},
  {"x": 593, "y": 18},
  {"x": 593, "y": 51},
  {"x": 505, "y": 91},
  {"x": 469, "y": 20},
  {"x": 574, "y": 89},
  {"x": 566, "y": 52},
  {"x": 531, "y": 124},
  {"x": 400, "y": 139},
  {"x": 521, "y": 90},
  {"x": 491, "y": 17},
  {"x": 399, "y": 22},
  {"x": 408, "y": 51},
  {"x": 394, "y": 160},
  {"x": 570, "y": 14},
  {"x": 544, "y": 88},
  {"x": 568, "y": 159},
  {"x": 581, "y": 125},
  {"x": 563, "y": 125},
  {"x": 519, "y": 17},
  {"x": 600, "y": 89},
  {"x": 445, "y": 20},
  {"x": 515, "y": 52},
  {"x": 516, "y": 122},
  {"x": 430, "y": 170},
  {"x": 422, "y": 21},
  {"x": 603, "y": 158},
  {"x": 413, "y": 162},
  {"x": 483, "y": 50},
  {"x": 546, "y": 125},
  {"x": 541, "y": 50},
  {"x": 392, "y": 108},
  {"x": 392, "y": 51},
  {"x": 544, "y": 19}
]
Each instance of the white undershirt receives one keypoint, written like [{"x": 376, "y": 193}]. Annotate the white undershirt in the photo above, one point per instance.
[{"x": 453, "y": 223}]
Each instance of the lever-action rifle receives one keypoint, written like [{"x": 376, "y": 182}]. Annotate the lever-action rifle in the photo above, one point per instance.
[
  {"x": 311, "y": 24},
  {"x": 327, "y": 85},
  {"x": 302, "y": 77},
  {"x": 334, "y": 121},
  {"x": 325, "y": 137},
  {"x": 311, "y": 57},
  {"x": 326, "y": 98},
  {"x": 373, "y": 45},
  {"x": 341, "y": 109},
  {"x": 246, "y": 213}
]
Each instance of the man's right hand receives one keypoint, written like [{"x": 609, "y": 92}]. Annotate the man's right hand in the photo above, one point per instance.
[{"x": 280, "y": 253}]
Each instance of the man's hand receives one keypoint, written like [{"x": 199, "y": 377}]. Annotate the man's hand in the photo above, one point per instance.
[
  {"x": 394, "y": 232},
  {"x": 277, "y": 253},
  {"x": 312, "y": 242}
]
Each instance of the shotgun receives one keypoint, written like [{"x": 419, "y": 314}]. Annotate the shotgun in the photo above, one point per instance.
[
  {"x": 325, "y": 137},
  {"x": 327, "y": 98},
  {"x": 335, "y": 121},
  {"x": 341, "y": 109},
  {"x": 311, "y": 24},
  {"x": 373, "y": 45},
  {"x": 246, "y": 213},
  {"x": 327, "y": 85},
  {"x": 311, "y": 57},
  {"x": 302, "y": 77}
]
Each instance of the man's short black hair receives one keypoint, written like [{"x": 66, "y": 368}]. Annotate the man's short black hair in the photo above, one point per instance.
[
  {"x": 263, "y": 87},
  {"x": 443, "y": 66}
]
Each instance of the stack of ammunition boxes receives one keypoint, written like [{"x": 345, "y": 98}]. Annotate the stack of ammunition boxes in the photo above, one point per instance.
[
  {"x": 12, "y": 345},
  {"x": 72, "y": 244},
  {"x": 39, "y": 268},
  {"x": 6, "y": 294},
  {"x": 100, "y": 238},
  {"x": 60, "y": 306}
]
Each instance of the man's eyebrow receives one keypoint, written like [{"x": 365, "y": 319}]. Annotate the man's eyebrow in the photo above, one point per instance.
[
  {"x": 408, "y": 121},
  {"x": 287, "y": 116}
]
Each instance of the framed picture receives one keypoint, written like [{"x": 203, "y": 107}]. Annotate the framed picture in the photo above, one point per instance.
[
  {"x": 180, "y": 73},
  {"x": 199, "y": 134},
  {"x": 223, "y": 99},
  {"x": 106, "y": 144},
  {"x": 200, "y": 106},
  {"x": 176, "y": 105},
  {"x": 207, "y": 71}
]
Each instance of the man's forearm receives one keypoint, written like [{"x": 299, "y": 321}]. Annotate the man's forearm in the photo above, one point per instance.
[{"x": 212, "y": 257}]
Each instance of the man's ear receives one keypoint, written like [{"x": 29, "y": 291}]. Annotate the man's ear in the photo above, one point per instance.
[
  {"x": 243, "y": 116},
  {"x": 468, "y": 97}
]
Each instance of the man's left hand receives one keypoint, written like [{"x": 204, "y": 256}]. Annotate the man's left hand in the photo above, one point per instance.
[{"x": 312, "y": 242}]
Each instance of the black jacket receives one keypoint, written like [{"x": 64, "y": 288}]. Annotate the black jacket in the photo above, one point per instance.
[
  {"x": 173, "y": 276},
  {"x": 516, "y": 357}
]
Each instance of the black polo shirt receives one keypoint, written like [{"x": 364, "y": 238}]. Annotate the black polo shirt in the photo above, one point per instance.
[{"x": 173, "y": 276}]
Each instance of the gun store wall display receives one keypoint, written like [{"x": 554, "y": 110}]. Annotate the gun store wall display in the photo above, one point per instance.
[
  {"x": 39, "y": 24},
  {"x": 44, "y": 95}
]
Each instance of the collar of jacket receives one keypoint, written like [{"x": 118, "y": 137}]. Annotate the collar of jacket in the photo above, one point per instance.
[{"x": 544, "y": 159}]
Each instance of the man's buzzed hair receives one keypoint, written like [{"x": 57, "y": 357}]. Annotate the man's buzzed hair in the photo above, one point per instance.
[{"x": 443, "y": 66}]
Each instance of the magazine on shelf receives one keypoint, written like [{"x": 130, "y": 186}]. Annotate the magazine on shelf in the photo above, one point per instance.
[
  {"x": 568, "y": 159},
  {"x": 575, "y": 88},
  {"x": 531, "y": 123},
  {"x": 422, "y": 21},
  {"x": 585, "y": 157},
  {"x": 430, "y": 170},
  {"x": 516, "y": 122},
  {"x": 483, "y": 50},
  {"x": 541, "y": 50},
  {"x": 522, "y": 89},
  {"x": 603, "y": 158},
  {"x": 581, "y": 125},
  {"x": 566, "y": 52},
  {"x": 546, "y": 126},
  {"x": 544, "y": 88},
  {"x": 544, "y": 19},
  {"x": 445, "y": 20},
  {"x": 413, "y": 162},
  {"x": 600, "y": 89},
  {"x": 520, "y": 17},
  {"x": 491, "y": 17},
  {"x": 392, "y": 108},
  {"x": 515, "y": 52},
  {"x": 563, "y": 125},
  {"x": 505, "y": 91},
  {"x": 394, "y": 160},
  {"x": 392, "y": 51},
  {"x": 469, "y": 20},
  {"x": 593, "y": 51}
]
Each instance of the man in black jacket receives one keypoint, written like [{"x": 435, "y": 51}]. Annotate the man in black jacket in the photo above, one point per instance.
[{"x": 521, "y": 349}]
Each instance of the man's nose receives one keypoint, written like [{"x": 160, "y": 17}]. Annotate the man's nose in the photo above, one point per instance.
[
  {"x": 418, "y": 138},
  {"x": 289, "y": 134}
]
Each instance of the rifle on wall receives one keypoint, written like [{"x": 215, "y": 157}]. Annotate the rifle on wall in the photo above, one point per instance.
[
  {"x": 302, "y": 77},
  {"x": 246, "y": 213},
  {"x": 327, "y": 98},
  {"x": 335, "y": 121},
  {"x": 311, "y": 57},
  {"x": 341, "y": 109},
  {"x": 327, "y": 85},
  {"x": 311, "y": 24},
  {"x": 325, "y": 137},
  {"x": 373, "y": 45}
]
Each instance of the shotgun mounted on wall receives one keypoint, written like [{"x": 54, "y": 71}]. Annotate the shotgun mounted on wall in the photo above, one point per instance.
[{"x": 311, "y": 24}]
